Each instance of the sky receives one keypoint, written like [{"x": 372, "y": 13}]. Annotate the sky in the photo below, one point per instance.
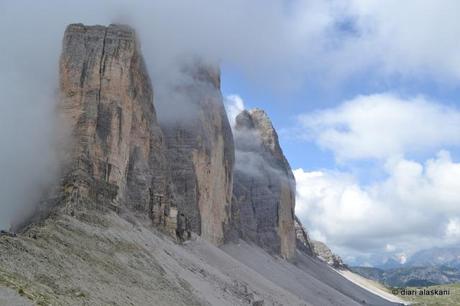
[
  {"x": 364, "y": 95},
  {"x": 373, "y": 137}
]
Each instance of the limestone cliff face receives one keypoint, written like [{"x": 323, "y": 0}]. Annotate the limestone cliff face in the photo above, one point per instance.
[
  {"x": 117, "y": 156},
  {"x": 201, "y": 153},
  {"x": 264, "y": 186}
]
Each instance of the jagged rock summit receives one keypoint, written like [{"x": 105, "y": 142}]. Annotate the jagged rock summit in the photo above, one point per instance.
[
  {"x": 264, "y": 186},
  {"x": 323, "y": 252},
  {"x": 201, "y": 152}
]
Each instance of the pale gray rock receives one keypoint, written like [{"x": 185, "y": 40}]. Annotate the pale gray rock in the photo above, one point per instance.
[
  {"x": 324, "y": 253},
  {"x": 201, "y": 152},
  {"x": 264, "y": 187}
]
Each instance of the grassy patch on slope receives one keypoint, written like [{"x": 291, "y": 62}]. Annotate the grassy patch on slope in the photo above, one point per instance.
[{"x": 453, "y": 298}]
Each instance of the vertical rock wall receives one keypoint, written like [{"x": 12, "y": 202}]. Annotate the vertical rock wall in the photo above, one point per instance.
[
  {"x": 201, "y": 153},
  {"x": 264, "y": 186},
  {"x": 116, "y": 155}
]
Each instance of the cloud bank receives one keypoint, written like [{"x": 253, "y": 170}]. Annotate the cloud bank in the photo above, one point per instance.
[
  {"x": 414, "y": 205},
  {"x": 383, "y": 125},
  {"x": 406, "y": 38}
]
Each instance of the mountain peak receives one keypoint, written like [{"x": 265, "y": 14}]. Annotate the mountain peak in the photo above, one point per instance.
[{"x": 263, "y": 186}]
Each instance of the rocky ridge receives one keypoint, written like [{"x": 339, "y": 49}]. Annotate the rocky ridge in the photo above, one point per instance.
[{"x": 323, "y": 252}]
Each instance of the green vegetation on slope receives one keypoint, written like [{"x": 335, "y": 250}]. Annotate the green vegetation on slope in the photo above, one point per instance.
[{"x": 453, "y": 298}]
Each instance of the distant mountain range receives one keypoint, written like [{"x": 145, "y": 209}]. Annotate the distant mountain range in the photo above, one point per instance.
[
  {"x": 411, "y": 276},
  {"x": 433, "y": 266},
  {"x": 391, "y": 263},
  {"x": 435, "y": 257}
]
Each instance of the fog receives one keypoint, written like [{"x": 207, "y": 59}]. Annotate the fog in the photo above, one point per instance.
[{"x": 261, "y": 38}]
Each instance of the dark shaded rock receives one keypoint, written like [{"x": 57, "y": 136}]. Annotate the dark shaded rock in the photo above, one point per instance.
[
  {"x": 201, "y": 152},
  {"x": 264, "y": 187}
]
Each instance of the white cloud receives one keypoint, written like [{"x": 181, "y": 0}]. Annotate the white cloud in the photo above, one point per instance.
[
  {"x": 234, "y": 105},
  {"x": 453, "y": 229},
  {"x": 417, "y": 203},
  {"x": 416, "y": 206},
  {"x": 402, "y": 258},
  {"x": 383, "y": 125},
  {"x": 412, "y": 37},
  {"x": 390, "y": 248}
]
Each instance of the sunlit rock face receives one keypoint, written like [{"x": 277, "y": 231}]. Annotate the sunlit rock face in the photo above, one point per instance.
[
  {"x": 116, "y": 155},
  {"x": 264, "y": 186},
  {"x": 201, "y": 151}
]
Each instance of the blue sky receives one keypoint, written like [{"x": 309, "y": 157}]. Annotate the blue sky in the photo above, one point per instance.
[
  {"x": 284, "y": 107},
  {"x": 403, "y": 93},
  {"x": 308, "y": 156}
]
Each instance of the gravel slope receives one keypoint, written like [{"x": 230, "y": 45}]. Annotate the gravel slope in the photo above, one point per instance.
[
  {"x": 310, "y": 279},
  {"x": 9, "y": 297},
  {"x": 107, "y": 260}
]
